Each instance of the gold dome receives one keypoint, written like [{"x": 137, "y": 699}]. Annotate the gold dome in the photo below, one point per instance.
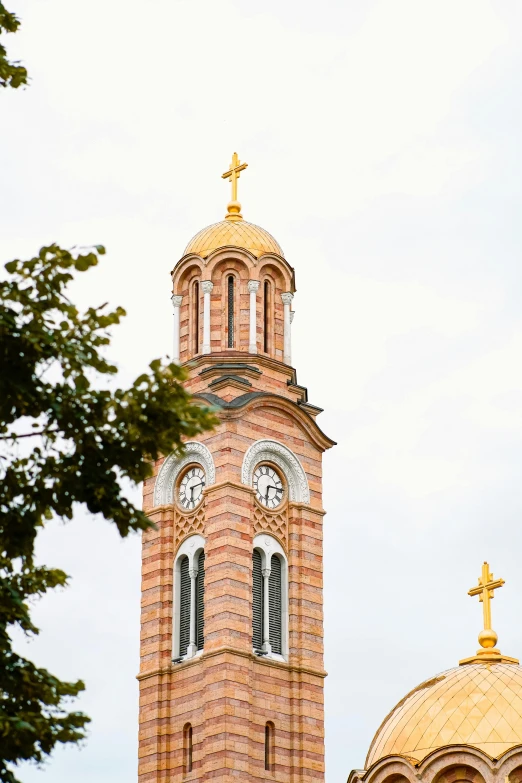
[
  {"x": 235, "y": 233},
  {"x": 477, "y": 704}
]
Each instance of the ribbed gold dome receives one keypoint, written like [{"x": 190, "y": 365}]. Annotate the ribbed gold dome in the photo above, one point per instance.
[
  {"x": 477, "y": 704},
  {"x": 235, "y": 233}
]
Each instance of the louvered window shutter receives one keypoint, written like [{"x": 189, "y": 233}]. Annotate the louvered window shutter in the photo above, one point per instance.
[
  {"x": 184, "y": 607},
  {"x": 257, "y": 602},
  {"x": 274, "y": 590},
  {"x": 200, "y": 601}
]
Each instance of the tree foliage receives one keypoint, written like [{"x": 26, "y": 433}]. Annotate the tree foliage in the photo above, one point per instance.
[
  {"x": 65, "y": 439},
  {"x": 12, "y": 73}
]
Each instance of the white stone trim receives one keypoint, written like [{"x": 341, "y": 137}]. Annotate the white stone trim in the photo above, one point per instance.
[
  {"x": 271, "y": 451},
  {"x": 170, "y": 470},
  {"x": 253, "y": 286},
  {"x": 191, "y": 547},
  {"x": 287, "y": 301},
  {"x": 268, "y": 546},
  {"x": 176, "y": 304}
]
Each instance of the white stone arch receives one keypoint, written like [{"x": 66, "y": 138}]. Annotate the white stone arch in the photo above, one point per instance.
[
  {"x": 191, "y": 548},
  {"x": 271, "y": 451},
  {"x": 169, "y": 471},
  {"x": 268, "y": 546}
]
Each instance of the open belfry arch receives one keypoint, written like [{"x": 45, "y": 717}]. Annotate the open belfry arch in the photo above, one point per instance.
[{"x": 231, "y": 673}]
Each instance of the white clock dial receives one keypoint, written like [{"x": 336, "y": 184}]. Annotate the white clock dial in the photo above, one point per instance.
[
  {"x": 268, "y": 486},
  {"x": 191, "y": 488}
]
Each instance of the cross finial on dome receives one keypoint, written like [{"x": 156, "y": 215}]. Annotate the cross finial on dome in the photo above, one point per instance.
[
  {"x": 487, "y": 637},
  {"x": 233, "y": 174}
]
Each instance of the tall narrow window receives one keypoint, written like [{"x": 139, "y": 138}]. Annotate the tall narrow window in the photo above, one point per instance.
[
  {"x": 195, "y": 319},
  {"x": 257, "y": 602},
  {"x": 231, "y": 311},
  {"x": 274, "y": 590},
  {"x": 200, "y": 603},
  {"x": 266, "y": 315},
  {"x": 187, "y": 748},
  {"x": 184, "y": 607},
  {"x": 269, "y": 747}
]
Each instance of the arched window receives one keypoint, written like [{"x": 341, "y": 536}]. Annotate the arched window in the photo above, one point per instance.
[
  {"x": 189, "y": 591},
  {"x": 184, "y": 607},
  {"x": 200, "y": 602},
  {"x": 195, "y": 316},
  {"x": 230, "y": 310},
  {"x": 269, "y": 576},
  {"x": 257, "y": 602},
  {"x": 269, "y": 747},
  {"x": 187, "y": 748},
  {"x": 266, "y": 316},
  {"x": 275, "y": 597}
]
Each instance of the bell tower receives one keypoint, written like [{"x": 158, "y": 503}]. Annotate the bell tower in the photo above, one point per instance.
[{"x": 231, "y": 672}]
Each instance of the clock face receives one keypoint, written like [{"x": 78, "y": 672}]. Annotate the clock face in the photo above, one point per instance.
[
  {"x": 191, "y": 488},
  {"x": 268, "y": 486}
]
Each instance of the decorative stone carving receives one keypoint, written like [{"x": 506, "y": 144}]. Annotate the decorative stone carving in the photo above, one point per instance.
[
  {"x": 272, "y": 451},
  {"x": 185, "y": 526},
  {"x": 276, "y": 524},
  {"x": 252, "y": 286},
  {"x": 207, "y": 286},
  {"x": 169, "y": 471}
]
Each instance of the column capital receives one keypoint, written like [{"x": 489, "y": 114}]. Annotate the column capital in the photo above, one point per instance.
[
  {"x": 287, "y": 298},
  {"x": 193, "y": 572},
  {"x": 207, "y": 286},
  {"x": 253, "y": 285},
  {"x": 266, "y": 572},
  {"x": 176, "y": 300}
]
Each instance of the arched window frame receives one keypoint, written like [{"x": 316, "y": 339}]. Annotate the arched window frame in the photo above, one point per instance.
[
  {"x": 191, "y": 548},
  {"x": 227, "y": 273},
  {"x": 195, "y": 317},
  {"x": 267, "y": 314},
  {"x": 267, "y": 546}
]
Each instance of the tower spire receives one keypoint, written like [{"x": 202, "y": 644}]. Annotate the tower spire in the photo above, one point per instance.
[{"x": 233, "y": 174}]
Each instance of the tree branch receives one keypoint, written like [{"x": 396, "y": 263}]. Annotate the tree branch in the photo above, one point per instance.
[{"x": 27, "y": 434}]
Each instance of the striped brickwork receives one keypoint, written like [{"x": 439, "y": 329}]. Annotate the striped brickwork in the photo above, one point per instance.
[{"x": 227, "y": 693}]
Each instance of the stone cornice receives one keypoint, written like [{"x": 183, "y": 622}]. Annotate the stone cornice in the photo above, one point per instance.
[
  {"x": 271, "y": 662},
  {"x": 235, "y": 408}
]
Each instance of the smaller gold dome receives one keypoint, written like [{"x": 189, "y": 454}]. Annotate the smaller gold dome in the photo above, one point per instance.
[
  {"x": 476, "y": 704},
  {"x": 235, "y": 233}
]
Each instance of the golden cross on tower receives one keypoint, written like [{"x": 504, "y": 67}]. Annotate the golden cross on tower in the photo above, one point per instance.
[
  {"x": 487, "y": 584},
  {"x": 487, "y": 637},
  {"x": 233, "y": 174}
]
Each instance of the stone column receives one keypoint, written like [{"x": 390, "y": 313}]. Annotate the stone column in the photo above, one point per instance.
[
  {"x": 287, "y": 301},
  {"x": 207, "y": 287},
  {"x": 253, "y": 286},
  {"x": 193, "y": 646},
  {"x": 176, "y": 304},
  {"x": 266, "y": 611}
]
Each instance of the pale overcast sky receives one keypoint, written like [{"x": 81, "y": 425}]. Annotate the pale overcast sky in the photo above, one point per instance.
[{"x": 383, "y": 143}]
